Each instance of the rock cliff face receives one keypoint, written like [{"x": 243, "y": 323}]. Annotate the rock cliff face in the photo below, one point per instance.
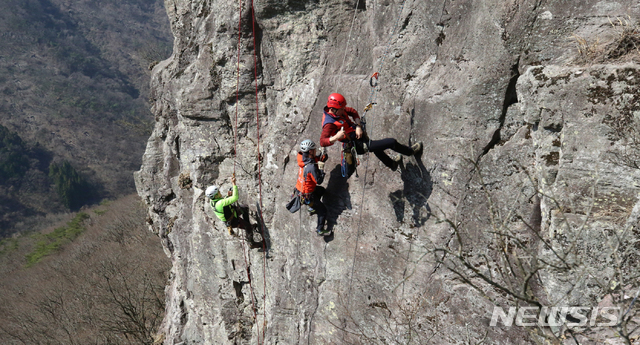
[{"x": 525, "y": 108}]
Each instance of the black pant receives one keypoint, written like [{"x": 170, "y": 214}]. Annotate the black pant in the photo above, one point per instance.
[
  {"x": 241, "y": 220},
  {"x": 317, "y": 205},
  {"x": 378, "y": 147}
]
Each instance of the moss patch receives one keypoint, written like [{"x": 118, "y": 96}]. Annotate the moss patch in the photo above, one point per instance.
[{"x": 50, "y": 243}]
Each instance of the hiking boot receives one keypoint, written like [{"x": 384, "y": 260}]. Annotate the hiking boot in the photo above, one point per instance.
[
  {"x": 396, "y": 162},
  {"x": 417, "y": 148}
]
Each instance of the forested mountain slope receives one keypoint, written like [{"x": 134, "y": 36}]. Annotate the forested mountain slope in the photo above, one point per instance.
[{"x": 74, "y": 88}]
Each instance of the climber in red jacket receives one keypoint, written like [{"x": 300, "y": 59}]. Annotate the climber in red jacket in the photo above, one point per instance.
[{"x": 337, "y": 126}]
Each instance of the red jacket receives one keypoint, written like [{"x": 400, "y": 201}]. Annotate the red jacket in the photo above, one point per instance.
[
  {"x": 331, "y": 125},
  {"x": 309, "y": 175}
]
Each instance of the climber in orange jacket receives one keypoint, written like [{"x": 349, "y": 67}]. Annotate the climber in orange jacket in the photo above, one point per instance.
[
  {"x": 337, "y": 125},
  {"x": 309, "y": 177}
]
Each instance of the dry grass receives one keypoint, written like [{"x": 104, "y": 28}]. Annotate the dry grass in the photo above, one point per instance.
[
  {"x": 628, "y": 38},
  {"x": 589, "y": 51},
  {"x": 624, "y": 47}
]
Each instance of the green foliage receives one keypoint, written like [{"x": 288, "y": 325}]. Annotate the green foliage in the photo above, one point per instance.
[
  {"x": 48, "y": 244},
  {"x": 14, "y": 159},
  {"x": 8, "y": 245},
  {"x": 72, "y": 188}
]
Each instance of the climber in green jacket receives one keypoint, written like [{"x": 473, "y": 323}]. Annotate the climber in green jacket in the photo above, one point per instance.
[{"x": 225, "y": 210}]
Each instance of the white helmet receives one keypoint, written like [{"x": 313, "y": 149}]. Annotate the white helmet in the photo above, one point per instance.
[
  {"x": 307, "y": 145},
  {"x": 212, "y": 191}
]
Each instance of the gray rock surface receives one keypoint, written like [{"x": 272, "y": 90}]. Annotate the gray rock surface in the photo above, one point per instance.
[{"x": 498, "y": 84}]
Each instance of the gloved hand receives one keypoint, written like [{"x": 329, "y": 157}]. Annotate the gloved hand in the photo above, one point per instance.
[
  {"x": 339, "y": 136},
  {"x": 321, "y": 165}
]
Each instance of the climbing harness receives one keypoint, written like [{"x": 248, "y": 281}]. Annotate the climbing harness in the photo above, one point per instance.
[
  {"x": 349, "y": 159},
  {"x": 305, "y": 198}
]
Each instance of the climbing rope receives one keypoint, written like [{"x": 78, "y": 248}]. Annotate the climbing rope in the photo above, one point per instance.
[
  {"x": 235, "y": 139},
  {"x": 235, "y": 159},
  {"x": 344, "y": 58},
  {"x": 376, "y": 75},
  {"x": 295, "y": 290},
  {"x": 264, "y": 239},
  {"x": 235, "y": 128},
  {"x": 364, "y": 182},
  {"x": 248, "y": 266}
]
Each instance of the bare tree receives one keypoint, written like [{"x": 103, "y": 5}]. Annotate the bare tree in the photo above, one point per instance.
[
  {"x": 582, "y": 258},
  {"x": 107, "y": 287}
]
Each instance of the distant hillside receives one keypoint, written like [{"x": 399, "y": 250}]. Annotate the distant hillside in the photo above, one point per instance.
[{"x": 74, "y": 88}]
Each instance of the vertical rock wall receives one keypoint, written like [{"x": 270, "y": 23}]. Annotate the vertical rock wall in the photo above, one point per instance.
[{"x": 491, "y": 82}]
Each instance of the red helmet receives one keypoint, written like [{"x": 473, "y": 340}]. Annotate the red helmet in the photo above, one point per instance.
[{"x": 337, "y": 101}]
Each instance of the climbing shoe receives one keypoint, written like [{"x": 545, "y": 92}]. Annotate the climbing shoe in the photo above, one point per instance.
[
  {"x": 396, "y": 162},
  {"x": 323, "y": 232},
  {"x": 417, "y": 148},
  {"x": 311, "y": 210},
  {"x": 230, "y": 229}
]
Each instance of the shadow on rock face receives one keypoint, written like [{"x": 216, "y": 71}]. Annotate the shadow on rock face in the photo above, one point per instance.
[
  {"x": 416, "y": 192},
  {"x": 261, "y": 235},
  {"x": 337, "y": 197},
  {"x": 328, "y": 238}
]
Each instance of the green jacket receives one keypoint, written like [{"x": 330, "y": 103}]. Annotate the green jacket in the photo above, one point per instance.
[{"x": 222, "y": 206}]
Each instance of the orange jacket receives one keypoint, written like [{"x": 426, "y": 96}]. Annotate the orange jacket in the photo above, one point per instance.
[{"x": 309, "y": 175}]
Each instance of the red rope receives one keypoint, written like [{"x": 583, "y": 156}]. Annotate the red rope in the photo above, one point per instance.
[
  {"x": 264, "y": 249},
  {"x": 235, "y": 159},
  {"x": 248, "y": 266},
  {"x": 235, "y": 131}
]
